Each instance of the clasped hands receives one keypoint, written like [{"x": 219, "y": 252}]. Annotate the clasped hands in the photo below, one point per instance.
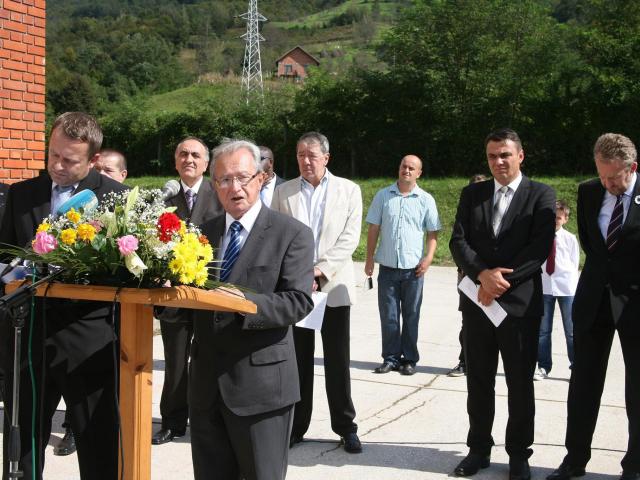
[{"x": 492, "y": 284}]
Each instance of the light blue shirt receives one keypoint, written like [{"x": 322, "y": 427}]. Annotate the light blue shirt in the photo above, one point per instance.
[
  {"x": 609, "y": 203},
  {"x": 312, "y": 203},
  {"x": 403, "y": 220}
]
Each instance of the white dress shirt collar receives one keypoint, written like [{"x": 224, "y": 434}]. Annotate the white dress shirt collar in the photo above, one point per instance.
[
  {"x": 195, "y": 188},
  {"x": 513, "y": 186}
]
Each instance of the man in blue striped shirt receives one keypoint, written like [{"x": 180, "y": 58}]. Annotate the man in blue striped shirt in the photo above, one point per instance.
[{"x": 400, "y": 215}]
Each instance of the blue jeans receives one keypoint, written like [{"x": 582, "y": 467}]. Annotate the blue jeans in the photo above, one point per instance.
[
  {"x": 546, "y": 327},
  {"x": 399, "y": 290}
]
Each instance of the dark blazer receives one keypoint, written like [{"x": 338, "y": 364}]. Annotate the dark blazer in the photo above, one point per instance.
[
  {"x": 620, "y": 269},
  {"x": 28, "y": 203},
  {"x": 4, "y": 189},
  {"x": 206, "y": 207},
  {"x": 523, "y": 242},
  {"x": 250, "y": 360}
]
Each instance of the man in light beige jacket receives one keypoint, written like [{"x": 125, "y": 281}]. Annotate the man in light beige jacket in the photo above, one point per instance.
[{"x": 332, "y": 207}]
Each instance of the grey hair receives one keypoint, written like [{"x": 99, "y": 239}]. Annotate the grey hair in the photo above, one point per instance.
[
  {"x": 613, "y": 146},
  {"x": 315, "y": 137},
  {"x": 200, "y": 141},
  {"x": 232, "y": 145}
]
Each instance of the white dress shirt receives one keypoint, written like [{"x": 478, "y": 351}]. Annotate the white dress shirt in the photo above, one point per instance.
[
  {"x": 312, "y": 203},
  {"x": 564, "y": 280},
  {"x": 266, "y": 194},
  {"x": 247, "y": 221},
  {"x": 194, "y": 189},
  {"x": 512, "y": 187}
]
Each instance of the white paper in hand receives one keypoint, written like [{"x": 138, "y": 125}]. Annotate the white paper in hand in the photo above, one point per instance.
[
  {"x": 314, "y": 319},
  {"x": 494, "y": 311}
]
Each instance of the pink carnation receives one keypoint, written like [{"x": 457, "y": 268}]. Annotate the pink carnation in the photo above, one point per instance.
[
  {"x": 127, "y": 244},
  {"x": 44, "y": 243}
]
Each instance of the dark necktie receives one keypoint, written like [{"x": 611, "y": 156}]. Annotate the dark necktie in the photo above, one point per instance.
[
  {"x": 232, "y": 251},
  {"x": 551, "y": 259},
  {"x": 615, "y": 224},
  {"x": 190, "y": 196}
]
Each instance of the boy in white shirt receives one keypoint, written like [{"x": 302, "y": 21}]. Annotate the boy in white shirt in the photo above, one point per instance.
[{"x": 559, "y": 281}]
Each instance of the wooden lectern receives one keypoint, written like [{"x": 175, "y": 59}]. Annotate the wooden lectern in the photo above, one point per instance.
[{"x": 136, "y": 352}]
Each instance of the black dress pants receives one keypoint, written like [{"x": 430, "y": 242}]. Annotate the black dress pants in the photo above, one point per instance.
[
  {"x": 516, "y": 339},
  {"x": 174, "y": 407},
  {"x": 335, "y": 345},
  {"x": 591, "y": 356}
]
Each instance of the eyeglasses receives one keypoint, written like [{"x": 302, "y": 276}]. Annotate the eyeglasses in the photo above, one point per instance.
[{"x": 243, "y": 180}]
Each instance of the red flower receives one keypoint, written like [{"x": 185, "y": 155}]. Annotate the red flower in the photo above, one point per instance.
[{"x": 168, "y": 224}]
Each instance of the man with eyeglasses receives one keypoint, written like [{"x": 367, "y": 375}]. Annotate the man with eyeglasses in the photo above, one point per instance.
[
  {"x": 196, "y": 202},
  {"x": 271, "y": 179},
  {"x": 332, "y": 207},
  {"x": 243, "y": 380}
]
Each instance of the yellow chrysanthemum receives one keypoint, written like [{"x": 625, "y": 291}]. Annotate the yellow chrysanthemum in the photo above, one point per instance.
[
  {"x": 68, "y": 236},
  {"x": 86, "y": 232},
  {"x": 43, "y": 227},
  {"x": 73, "y": 216},
  {"x": 183, "y": 228},
  {"x": 190, "y": 258}
]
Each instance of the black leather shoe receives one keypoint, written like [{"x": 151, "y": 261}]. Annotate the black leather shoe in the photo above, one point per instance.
[
  {"x": 165, "y": 435},
  {"x": 519, "y": 470},
  {"x": 386, "y": 367},
  {"x": 566, "y": 471},
  {"x": 351, "y": 443},
  {"x": 471, "y": 464},
  {"x": 67, "y": 445},
  {"x": 408, "y": 369},
  {"x": 628, "y": 475},
  {"x": 295, "y": 439}
]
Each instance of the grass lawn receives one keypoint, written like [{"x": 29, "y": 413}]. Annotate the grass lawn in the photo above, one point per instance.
[{"x": 446, "y": 192}]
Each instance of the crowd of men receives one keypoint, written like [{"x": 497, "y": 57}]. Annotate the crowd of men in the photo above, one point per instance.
[{"x": 245, "y": 382}]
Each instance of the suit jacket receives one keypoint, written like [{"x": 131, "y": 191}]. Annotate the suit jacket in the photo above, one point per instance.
[
  {"x": 206, "y": 207},
  {"x": 339, "y": 235},
  {"x": 620, "y": 269},
  {"x": 78, "y": 329},
  {"x": 279, "y": 180},
  {"x": 250, "y": 360},
  {"x": 523, "y": 242}
]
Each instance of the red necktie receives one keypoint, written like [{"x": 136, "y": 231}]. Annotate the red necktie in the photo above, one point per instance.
[{"x": 551, "y": 259}]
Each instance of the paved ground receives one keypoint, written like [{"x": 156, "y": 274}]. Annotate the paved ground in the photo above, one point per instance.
[{"x": 413, "y": 427}]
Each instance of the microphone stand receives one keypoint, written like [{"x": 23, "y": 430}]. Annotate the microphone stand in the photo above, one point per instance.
[{"x": 16, "y": 306}]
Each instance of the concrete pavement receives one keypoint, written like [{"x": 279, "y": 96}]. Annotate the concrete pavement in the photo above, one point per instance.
[{"x": 412, "y": 427}]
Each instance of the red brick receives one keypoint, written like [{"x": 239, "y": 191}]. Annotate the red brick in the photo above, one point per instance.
[
  {"x": 16, "y": 16},
  {"x": 4, "y": 53},
  {"x": 4, "y": 14},
  {"x": 15, "y": 95},
  {"x": 17, "y": 76},
  {"x": 13, "y": 65},
  {"x": 15, "y": 114},
  {"x": 40, "y": 4},
  {"x": 16, "y": 173},
  {"x": 14, "y": 105},
  {"x": 16, "y": 134},
  {"x": 36, "y": 31},
  {"x": 40, "y": 41},
  {"x": 39, "y": 22},
  {"x": 5, "y": 73},
  {"x": 5, "y": 33},
  {"x": 28, "y": 97},
  {"x": 15, "y": 6},
  {"x": 35, "y": 107},
  {"x": 18, "y": 37},
  {"x": 13, "y": 85},
  {"x": 4, "y": 153},
  {"x": 33, "y": 126},
  {"x": 12, "y": 45},
  {"x": 38, "y": 136},
  {"x": 26, "y": 39},
  {"x": 38, "y": 155},
  {"x": 18, "y": 163},
  {"x": 27, "y": 2},
  {"x": 4, "y": 133},
  {"x": 38, "y": 98},
  {"x": 28, "y": 117},
  {"x": 39, "y": 117},
  {"x": 15, "y": 26},
  {"x": 4, "y": 113},
  {"x": 35, "y": 50},
  {"x": 36, "y": 69},
  {"x": 28, "y": 78},
  {"x": 37, "y": 12},
  {"x": 15, "y": 124},
  {"x": 33, "y": 88},
  {"x": 14, "y": 144},
  {"x": 15, "y": 154},
  {"x": 4, "y": 93},
  {"x": 36, "y": 165},
  {"x": 27, "y": 135},
  {"x": 35, "y": 145}
]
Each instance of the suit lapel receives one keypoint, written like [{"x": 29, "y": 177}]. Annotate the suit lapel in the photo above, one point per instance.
[
  {"x": 330, "y": 205},
  {"x": 487, "y": 204},
  {"x": 203, "y": 201},
  {"x": 592, "y": 212},
  {"x": 42, "y": 201},
  {"x": 633, "y": 215},
  {"x": 293, "y": 198}
]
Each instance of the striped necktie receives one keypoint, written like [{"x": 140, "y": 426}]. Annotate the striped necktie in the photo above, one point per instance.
[
  {"x": 232, "y": 252},
  {"x": 190, "y": 197},
  {"x": 615, "y": 224}
]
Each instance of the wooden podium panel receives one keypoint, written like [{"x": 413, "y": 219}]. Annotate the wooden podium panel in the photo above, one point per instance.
[{"x": 136, "y": 351}]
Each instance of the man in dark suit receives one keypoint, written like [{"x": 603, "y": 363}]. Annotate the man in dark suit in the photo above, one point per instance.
[
  {"x": 271, "y": 179},
  {"x": 502, "y": 234},
  {"x": 196, "y": 202},
  {"x": 79, "y": 336},
  {"x": 607, "y": 299},
  {"x": 244, "y": 381}
]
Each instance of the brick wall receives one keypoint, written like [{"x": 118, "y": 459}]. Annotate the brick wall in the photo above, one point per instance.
[{"x": 22, "y": 89}]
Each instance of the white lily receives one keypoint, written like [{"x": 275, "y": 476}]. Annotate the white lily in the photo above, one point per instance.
[{"x": 134, "y": 264}]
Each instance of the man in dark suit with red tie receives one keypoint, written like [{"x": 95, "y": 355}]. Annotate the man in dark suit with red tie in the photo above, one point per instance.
[
  {"x": 196, "y": 202},
  {"x": 243, "y": 380},
  {"x": 607, "y": 299},
  {"x": 502, "y": 234},
  {"x": 78, "y": 337}
]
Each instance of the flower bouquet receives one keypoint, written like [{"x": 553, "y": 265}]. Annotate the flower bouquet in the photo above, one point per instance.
[{"x": 130, "y": 239}]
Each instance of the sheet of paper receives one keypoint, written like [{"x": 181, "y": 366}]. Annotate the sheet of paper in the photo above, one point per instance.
[
  {"x": 314, "y": 319},
  {"x": 494, "y": 311}
]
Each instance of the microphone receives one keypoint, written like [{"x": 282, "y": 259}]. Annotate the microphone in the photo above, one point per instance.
[
  {"x": 84, "y": 199},
  {"x": 170, "y": 189},
  {"x": 10, "y": 266}
]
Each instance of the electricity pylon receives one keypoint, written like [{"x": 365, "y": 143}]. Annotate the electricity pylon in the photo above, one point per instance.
[{"x": 252, "y": 67}]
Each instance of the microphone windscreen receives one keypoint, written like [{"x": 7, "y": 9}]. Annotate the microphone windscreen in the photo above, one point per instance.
[
  {"x": 170, "y": 189},
  {"x": 85, "y": 199}
]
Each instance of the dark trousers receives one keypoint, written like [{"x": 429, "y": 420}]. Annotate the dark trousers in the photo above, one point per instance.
[
  {"x": 335, "y": 345},
  {"x": 516, "y": 339},
  {"x": 591, "y": 356},
  {"x": 174, "y": 407},
  {"x": 226, "y": 446},
  {"x": 89, "y": 393}
]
